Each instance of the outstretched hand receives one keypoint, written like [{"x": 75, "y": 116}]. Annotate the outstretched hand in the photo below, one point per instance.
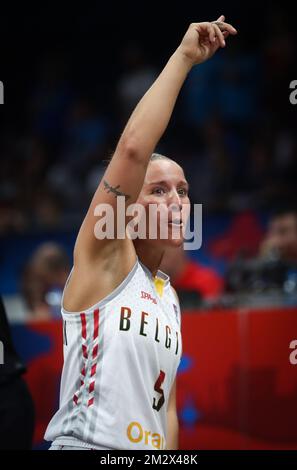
[{"x": 202, "y": 40}]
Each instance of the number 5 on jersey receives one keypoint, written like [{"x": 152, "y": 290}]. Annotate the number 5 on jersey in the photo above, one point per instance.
[{"x": 157, "y": 387}]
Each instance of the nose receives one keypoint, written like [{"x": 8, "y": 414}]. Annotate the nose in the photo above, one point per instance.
[{"x": 175, "y": 202}]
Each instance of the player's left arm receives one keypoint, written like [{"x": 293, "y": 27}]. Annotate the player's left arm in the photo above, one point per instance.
[{"x": 172, "y": 420}]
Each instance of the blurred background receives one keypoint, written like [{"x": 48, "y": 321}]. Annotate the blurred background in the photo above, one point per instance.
[{"x": 71, "y": 79}]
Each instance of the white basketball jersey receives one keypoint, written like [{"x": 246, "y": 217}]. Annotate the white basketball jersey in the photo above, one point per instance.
[{"x": 120, "y": 361}]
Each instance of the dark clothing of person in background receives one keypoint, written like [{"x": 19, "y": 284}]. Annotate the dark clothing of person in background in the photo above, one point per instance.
[{"x": 16, "y": 405}]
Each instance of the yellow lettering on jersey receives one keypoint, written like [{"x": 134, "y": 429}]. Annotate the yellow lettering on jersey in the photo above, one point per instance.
[
  {"x": 147, "y": 434},
  {"x": 138, "y": 429},
  {"x": 136, "y": 434},
  {"x": 156, "y": 440}
]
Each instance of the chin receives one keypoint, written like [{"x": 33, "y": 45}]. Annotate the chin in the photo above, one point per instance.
[{"x": 173, "y": 242}]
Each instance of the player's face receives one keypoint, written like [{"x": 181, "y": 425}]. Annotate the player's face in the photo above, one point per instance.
[{"x": 166, "y": 189}]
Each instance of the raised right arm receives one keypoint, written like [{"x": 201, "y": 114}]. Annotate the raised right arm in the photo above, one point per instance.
[{"x": 126, "y": 171}]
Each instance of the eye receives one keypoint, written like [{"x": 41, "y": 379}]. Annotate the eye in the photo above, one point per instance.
[
  {"x": 183, "y": 191},
  {"x": 159, "y": 191}
]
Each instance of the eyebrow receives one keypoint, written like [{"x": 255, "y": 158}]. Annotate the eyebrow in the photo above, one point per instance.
[{"x": 182, "y": 182}]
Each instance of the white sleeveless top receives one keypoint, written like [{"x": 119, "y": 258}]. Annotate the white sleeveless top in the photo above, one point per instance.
[{"x": 120, "y": 361}]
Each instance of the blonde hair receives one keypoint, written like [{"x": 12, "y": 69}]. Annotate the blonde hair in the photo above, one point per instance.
[{"x": 159, "y": 156}]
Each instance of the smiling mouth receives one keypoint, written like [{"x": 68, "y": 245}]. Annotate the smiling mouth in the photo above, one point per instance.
[{"x": 176, "y": 223}]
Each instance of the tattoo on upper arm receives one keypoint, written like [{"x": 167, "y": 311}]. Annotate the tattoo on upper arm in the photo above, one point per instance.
[{"x": 115, "y": 190}]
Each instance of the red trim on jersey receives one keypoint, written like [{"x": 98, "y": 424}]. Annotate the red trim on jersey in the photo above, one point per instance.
[
  {"x": 93, "y": 369},
  {"x": 91, "y": 401},
  {"x": 83, "y": 325},
  {"x": 96, "y": 323},
  {"x": 95, "y": 351},
  {"x": 85, "y": 351},
  {"x": 85, "y": 354},
  {"x": 92, "y": 387}
]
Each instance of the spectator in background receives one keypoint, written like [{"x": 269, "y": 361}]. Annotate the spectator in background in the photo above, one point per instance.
[
  {"x": 273, "y": 271},
  {"x": 43, "y": 281},
  {"x": 281, "y": 236},
  {"x": 193, "y": 282},
  {"x": 16, "y": 405}
]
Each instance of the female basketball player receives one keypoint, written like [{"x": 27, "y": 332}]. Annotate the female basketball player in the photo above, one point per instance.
[{"x": 122, "y": 342}]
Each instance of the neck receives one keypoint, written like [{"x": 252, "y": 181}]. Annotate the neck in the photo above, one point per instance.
[
  {"x": 178, "y": 268},
  {"x": 151, "y": 257}
]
